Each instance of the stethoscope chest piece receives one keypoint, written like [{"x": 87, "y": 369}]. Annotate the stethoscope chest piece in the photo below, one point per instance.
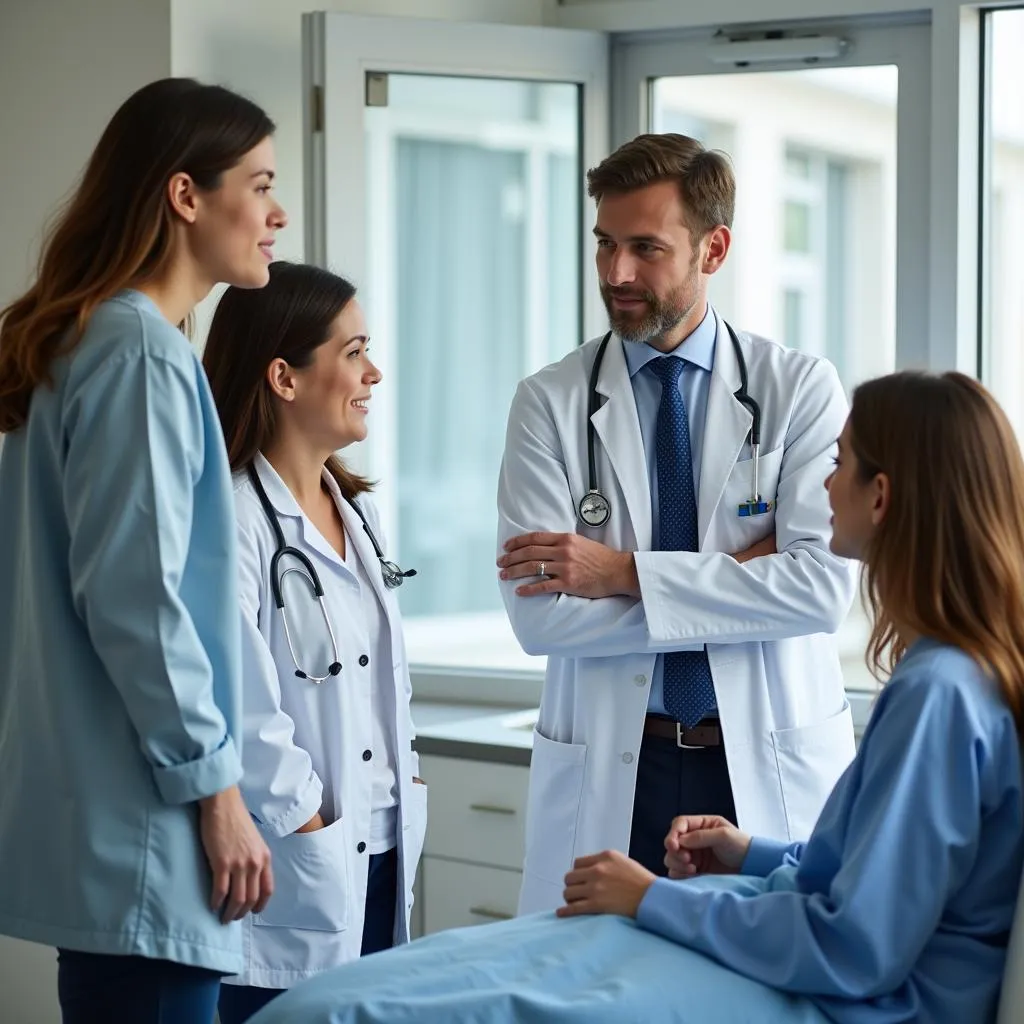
[{"x": 594, "y": 509}]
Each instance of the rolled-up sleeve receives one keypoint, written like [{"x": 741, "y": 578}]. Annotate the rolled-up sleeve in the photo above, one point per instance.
[{"x": 134, "y": 451}]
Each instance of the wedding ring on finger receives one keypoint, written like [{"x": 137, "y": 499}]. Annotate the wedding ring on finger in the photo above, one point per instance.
[{"x": 540, "y": 569}]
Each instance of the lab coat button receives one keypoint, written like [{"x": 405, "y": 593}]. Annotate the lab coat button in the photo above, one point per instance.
[
  {"x": 367, "y": 755},
  {"x": 361, "y": 848},
  {"x": 364, "y": 660},
  {"x": 640, "y": 680},
  {"x": 627, "y": 758}
]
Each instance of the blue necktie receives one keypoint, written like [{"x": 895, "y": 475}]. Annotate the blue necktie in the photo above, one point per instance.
[{"x": 689, "y": 689}]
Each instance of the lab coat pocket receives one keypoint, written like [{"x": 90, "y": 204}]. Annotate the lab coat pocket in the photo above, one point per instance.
[
  {"x": 414, "y": 830},
  {"x": 737, "y": 533},
  {"x": 310, "y": 881},
  {"x": 810, "y": 759},
  {"x": 556, "y": 790}
]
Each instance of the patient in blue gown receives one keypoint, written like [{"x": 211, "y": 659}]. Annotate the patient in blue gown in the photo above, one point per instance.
[{"x": 899, "y": 906}]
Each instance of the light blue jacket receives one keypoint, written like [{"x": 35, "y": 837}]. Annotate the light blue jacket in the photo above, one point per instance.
[
  {"x": 119, "y": 648},
  {"x": 899, "y": 906}
]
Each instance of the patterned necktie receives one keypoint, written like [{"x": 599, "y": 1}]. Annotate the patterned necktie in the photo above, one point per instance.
[{"x": 689, "y": 689}]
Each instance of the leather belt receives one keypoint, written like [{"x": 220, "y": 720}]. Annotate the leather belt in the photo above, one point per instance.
[{"x": 706, "y": 733}]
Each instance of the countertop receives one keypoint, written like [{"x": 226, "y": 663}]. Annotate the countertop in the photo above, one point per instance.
[
  {"x": 481, "y": 733},
  {"x": 505, "y": 735}
]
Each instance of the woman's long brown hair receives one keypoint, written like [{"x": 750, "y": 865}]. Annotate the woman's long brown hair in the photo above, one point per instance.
[
  {"x": 289, "y": 319},
  {"x": 116, "y": 229},
  {"x": 947, "y": 561}
]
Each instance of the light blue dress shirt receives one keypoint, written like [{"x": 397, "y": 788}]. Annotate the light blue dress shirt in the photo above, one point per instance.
[
  {"x": 899, "y": 906},
  {"x": 698, "y": 353},
  {"x": 120, "y": 660}
]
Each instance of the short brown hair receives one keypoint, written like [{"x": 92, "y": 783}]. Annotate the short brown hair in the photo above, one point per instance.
[{"x": 706, "y": 183}]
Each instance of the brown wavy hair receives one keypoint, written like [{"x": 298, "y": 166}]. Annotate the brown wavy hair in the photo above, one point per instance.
[
  {"x": 116, "y": 229},
  {"x": 947, "y": 561},
  {"x": 288, "y": 319}
]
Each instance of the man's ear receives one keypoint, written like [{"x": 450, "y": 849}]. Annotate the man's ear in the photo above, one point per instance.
[{"x": 716, "y": 247}]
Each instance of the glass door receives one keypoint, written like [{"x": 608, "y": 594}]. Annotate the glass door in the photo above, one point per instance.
[
  {"x": 445, "y": 172},
  {"x": 826, "y": 127}
]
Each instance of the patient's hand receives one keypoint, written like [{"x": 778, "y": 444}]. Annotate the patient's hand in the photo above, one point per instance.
[
  {"x": 605, "y": 883},
  {"x": 762, "y": 547},
  {"x": 704, "y": 844}
]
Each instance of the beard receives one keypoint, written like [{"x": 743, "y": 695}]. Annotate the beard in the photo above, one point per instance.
[{"x": 660, "y": 317}]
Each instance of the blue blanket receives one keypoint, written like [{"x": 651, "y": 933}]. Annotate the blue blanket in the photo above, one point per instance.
[{"x": 537, "y": 969}]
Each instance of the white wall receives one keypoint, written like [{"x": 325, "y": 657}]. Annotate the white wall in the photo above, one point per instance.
[{"x": 64, "y": 69}]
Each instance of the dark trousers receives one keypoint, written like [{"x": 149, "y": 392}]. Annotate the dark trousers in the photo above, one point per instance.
[
  {"x": 97, "y": 988},
  {"x": 240, "y": 1002},
  {"x": 669, "y": 781}
]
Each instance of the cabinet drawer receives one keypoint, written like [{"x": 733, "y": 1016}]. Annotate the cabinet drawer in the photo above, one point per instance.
[
  {"x": 456, "y": 895},
  {"x": 476, "y": 810}
]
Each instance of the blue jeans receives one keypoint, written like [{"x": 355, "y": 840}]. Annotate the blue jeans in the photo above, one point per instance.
[
  {"x": 240, "y": 1002},
  {"x": 97, "y": 988}
]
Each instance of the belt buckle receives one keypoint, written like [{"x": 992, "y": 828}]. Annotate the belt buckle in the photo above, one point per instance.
[{"x": 679, "y": 739}]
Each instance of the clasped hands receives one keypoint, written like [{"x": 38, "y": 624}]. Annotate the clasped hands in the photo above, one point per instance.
[
  {"x": 611, "y": 883},
  {"x": 571, "y": 564}
]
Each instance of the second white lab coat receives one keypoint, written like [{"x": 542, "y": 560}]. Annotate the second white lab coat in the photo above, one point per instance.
[
  {"x": 299, "y": 735},
  {"x": 787, "y": 725}
]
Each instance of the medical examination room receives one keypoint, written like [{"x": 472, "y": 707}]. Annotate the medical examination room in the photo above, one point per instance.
[{"x": 511, "y": 511}]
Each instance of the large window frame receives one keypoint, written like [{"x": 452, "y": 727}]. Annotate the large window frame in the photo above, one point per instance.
[
  {"x": 341, "y": 52},
  {"x": 940, "y": 211},
  {"x": 994, "y": 209}
]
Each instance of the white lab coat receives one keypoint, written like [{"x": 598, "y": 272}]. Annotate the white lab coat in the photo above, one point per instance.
[
  {"x": 787, "y": 725},
  {"x": 299, "y": 735}
]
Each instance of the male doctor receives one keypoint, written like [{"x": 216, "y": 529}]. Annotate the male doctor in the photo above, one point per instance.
[{"x": 690, "y": 663}]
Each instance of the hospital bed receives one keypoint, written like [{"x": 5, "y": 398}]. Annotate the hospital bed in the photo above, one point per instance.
[{"x": 585, "y": 970}]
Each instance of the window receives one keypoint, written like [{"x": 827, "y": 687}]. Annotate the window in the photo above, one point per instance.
[
  {"x": 474, "y": 238},
  {"x": 815, "y": 257},
  {"x": 453, "y": 197},
  {"x": 1002, "y": 306},
  {"x": 814, "y": 239}
]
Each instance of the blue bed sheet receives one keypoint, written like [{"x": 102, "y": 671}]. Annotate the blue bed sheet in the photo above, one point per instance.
[{"x": 537, "y": 969}]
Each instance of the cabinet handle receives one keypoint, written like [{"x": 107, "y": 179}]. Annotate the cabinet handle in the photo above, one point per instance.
[
  {"x": 492, "y": 809},
  {"x": 497, "y": 915}
]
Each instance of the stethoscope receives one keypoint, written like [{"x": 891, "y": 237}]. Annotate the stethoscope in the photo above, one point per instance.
[
  {"x": 594, "y": 508},
  {"x": 393, "y": 576}
]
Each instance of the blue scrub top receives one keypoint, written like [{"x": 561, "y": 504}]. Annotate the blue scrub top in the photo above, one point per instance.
[{"x": 899, "y": 907}]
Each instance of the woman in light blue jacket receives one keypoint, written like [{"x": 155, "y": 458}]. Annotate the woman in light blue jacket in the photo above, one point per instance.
[{"x": 124, "y": 840}]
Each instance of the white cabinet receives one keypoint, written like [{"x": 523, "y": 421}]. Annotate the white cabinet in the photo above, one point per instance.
[
  {"x": 473, "y": 855},
  {"x": 457, "y": 894}
]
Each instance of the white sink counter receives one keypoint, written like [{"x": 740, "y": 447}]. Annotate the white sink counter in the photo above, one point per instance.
[{"x": 474, "y": 731}]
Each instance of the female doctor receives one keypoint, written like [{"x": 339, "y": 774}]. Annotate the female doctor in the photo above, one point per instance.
[{"x": 329, "y": 772}]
